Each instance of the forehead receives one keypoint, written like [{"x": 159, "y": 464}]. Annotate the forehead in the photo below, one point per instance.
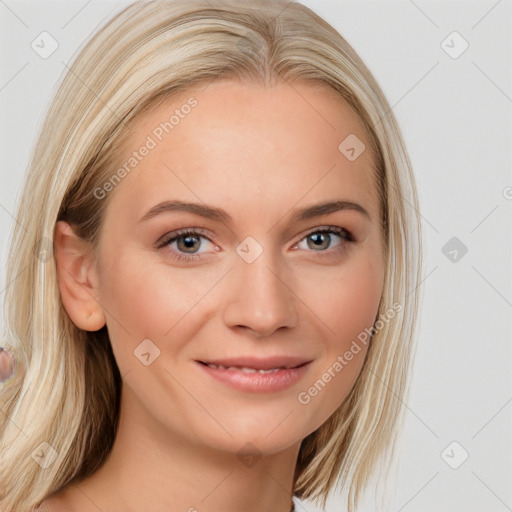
[{"x": 251, "y": 146}]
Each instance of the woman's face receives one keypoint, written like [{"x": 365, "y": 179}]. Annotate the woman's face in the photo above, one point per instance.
[{"x": 264, "y": 282}]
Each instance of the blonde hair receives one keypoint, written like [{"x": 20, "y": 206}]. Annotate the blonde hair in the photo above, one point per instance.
[{"x": 67, "y": 386}]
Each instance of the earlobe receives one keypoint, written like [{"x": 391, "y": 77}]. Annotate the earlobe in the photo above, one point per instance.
[{"x": 77, "y": 278}]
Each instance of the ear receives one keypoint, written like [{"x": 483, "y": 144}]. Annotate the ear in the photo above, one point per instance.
[{"x": 77, "y": 278}]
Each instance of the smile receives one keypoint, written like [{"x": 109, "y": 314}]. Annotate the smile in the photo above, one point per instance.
[{"x": 257, "y": 375}]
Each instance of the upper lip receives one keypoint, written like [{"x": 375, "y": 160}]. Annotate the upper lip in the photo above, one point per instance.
[{"x": 266, "y": 363}]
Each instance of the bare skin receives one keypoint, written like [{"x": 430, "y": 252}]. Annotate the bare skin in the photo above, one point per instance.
[{"x": 261, "y": 154}]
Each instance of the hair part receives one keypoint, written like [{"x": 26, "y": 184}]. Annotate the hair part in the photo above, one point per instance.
[{"x": 67, "y": 388}]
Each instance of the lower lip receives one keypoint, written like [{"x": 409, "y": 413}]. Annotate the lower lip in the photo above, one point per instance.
[{"x": 257, "y": 382}]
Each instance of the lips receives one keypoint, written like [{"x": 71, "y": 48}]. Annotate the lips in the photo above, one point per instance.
[{"x": 256, "y": 375}]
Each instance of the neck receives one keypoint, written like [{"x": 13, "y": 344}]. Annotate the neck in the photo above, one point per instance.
[{"x": 152, "y": 468}]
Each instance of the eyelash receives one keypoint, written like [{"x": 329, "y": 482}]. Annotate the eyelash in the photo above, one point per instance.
[{"x": 169, "y": 238}]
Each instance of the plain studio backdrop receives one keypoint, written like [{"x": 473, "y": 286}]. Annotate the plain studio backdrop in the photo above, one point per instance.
[{"x": 445, "y": 69}]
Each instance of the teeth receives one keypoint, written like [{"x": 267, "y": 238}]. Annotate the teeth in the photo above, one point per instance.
[{"x": 243, "y": 369}]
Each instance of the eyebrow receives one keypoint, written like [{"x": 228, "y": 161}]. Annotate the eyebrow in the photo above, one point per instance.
[{"x": 218, "y": 214}]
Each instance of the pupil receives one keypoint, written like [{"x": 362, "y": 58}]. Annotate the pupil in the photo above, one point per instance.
[
  {"x": 317, "y": 240},
  {"x": 189, "y": 241}
]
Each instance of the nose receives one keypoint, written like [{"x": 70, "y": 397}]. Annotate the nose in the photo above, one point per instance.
[{"x": 260, "y": 298}]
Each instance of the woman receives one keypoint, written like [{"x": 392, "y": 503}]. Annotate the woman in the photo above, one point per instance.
[{"x": 219, "y": 300}]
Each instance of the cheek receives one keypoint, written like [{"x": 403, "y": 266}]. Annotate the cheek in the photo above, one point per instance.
[
  {"x": 347, "y": 302},
  {"x": 144, "y": 298},
  {"x": 136, "y": 303},
  {"x": 346, "y": 299}
]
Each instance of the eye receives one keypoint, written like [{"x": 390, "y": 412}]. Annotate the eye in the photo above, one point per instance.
[
  {"x": 322, "y": 239},
  {"x": 184, "y": 243}
]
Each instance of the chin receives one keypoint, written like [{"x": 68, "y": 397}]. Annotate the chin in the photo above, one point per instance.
[{"x": 253, "y": 433}]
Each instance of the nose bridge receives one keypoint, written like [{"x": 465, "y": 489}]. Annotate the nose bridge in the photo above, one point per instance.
[{"x": 259, "y": 297}]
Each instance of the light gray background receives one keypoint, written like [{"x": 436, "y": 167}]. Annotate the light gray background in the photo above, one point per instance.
[{"x": 456, "y": 117}]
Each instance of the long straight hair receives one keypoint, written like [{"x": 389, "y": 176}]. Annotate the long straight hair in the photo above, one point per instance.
[{"x": 64, "y": 398}]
